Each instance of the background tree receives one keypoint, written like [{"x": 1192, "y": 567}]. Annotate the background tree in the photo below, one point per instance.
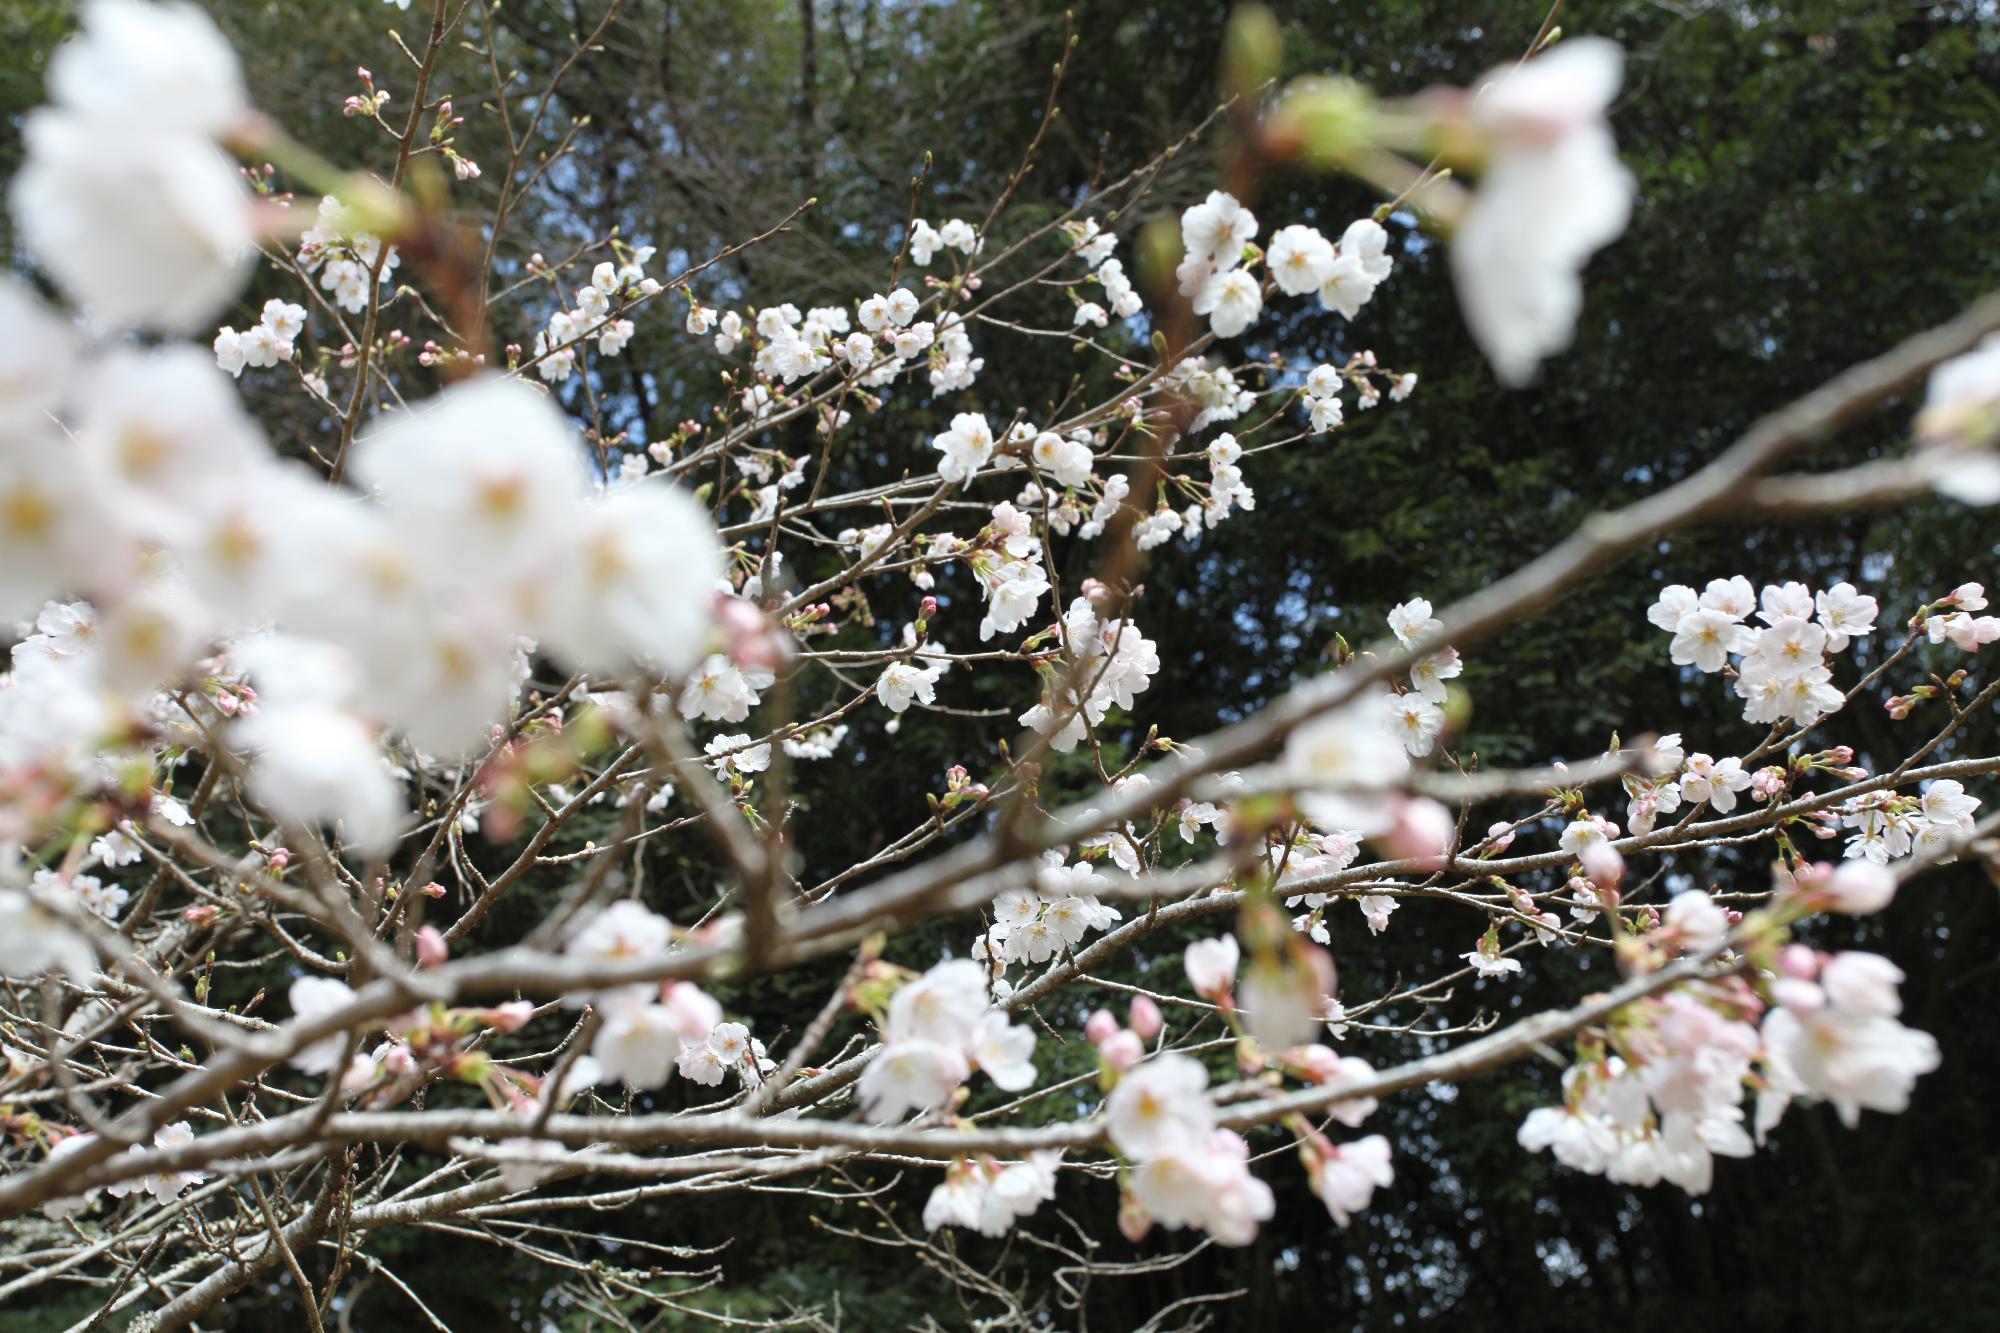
[{"x": 1813, "y": 185}]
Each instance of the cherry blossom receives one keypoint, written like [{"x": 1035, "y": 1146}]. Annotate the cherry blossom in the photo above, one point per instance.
[
  {"x": 1362, "y": 265},
  {"x": 1300, "y": 259},
  {"x": 336, "y": 682},
  {"x": 1349, "y": 1175},
  {"x": 313, "y": 998},
  {"x": 124, "y": 199},
  {"x": 1231, "y": 300},
  {"x": 1552, "y": 193},
  {"x": 34, "y": 940},
  {"x": 1216, "y": 230},
  {"x": 1211, "y": 966},
  {"x": 1961, "y": 417}
]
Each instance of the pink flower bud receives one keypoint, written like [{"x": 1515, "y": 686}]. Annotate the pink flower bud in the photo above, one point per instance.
[
  {"x": 432, "y": 951},
  {"x": 1860, "y": 887},
  {"x": 1121, "y": 1050},
  {"x": 1100, "y": 1026},
  {"x": 200, "y": 914},
  {"x": 927, "y": 608},
  {"x": 511, "y": 1016},
  {"x": 432, "y": 890},
  {"x": 1145, "y": 1017},
  {"x": 1422, "y": 832},
  {"x": 1799, "y": 960},
  {"x": 1603, "y": 864},
  {"x": 278, "y": 858},
  {"x": 1133, "y": 1223},
  {"x": 747, "y": 632},
  {"x": 1500, "y": 836}
]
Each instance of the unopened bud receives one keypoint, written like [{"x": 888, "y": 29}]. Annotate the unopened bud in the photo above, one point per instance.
[
  {"x": 1799, "y": 960},
  {"x": 1603, "y": 864},
  {"x": 511, "y": 1016},
  {"x": 1860, "y": 887},
  {"x": 1121, "y": 1050},
  {"x": 1133, "y": 1222},
  {"x": 1422, "y": 832},
  {"x": 1145, "y": 1017}
]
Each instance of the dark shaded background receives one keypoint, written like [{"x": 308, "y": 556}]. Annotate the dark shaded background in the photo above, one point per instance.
[{"x": 1817, "y": 180}]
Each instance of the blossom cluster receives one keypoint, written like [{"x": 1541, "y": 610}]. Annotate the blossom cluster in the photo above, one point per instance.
[
  {"x": 938, "y": 1028},
  {"x": 1784, "y": 669},
  {"x": 164, "y": 1187},
  {"x": 1217, "y": 268},
  {"x": 1184, "y": 1171},
  {"x": 330, "y": 649},
  {"x": 344, "y": 615},
  {"x": 1035, "y": 925},
  {"x": 125, "y": 198},
  {"x": 612, "y": 289},
  {"x": 648, "y": 1031},
  {"x": 349, "y": 260},
  {"x": 266, "y": 343},
  {"x": 1664, "y": 1093},
  {"x": 1109, "y": 663},
  {"x": 1954, "y": 622},
  {"x": 989, "y": 1196}
]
